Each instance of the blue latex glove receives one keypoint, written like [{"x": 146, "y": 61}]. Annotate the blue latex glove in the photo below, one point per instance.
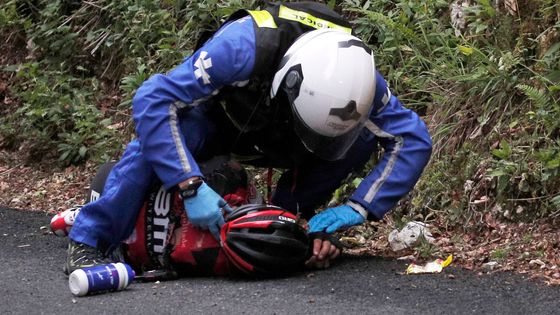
[
  {"x": 204, "y": 210},
  {"x": 335, "y": 218}
]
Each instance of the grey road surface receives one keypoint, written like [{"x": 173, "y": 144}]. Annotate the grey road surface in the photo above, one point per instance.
[{"x": 32, "y": 282}]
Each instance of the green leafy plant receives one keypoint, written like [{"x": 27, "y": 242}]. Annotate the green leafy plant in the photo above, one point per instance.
[
  {"x": 56, "y": 113},
  {"x": 81, "y": 53},
  {"x": 492, "y": 100},
  {"x": 491, "y": 95}
]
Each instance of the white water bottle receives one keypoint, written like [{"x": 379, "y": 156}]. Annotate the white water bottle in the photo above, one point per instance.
[{"x": 101, "y": 278}]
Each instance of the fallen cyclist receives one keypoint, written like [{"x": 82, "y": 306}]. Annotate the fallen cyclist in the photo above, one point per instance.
[
  {"x": 257, "y": 239},
  {"x": 287, "y": 87}
]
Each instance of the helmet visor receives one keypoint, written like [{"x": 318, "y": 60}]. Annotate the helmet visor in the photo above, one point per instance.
[{"x": 326, "y": 147}]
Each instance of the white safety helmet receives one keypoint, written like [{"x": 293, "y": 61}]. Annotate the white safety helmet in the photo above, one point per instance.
[{"x": 329, "y": 79}]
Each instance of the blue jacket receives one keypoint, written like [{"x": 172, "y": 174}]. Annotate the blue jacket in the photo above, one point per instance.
[{"x": 227, "y": 60}]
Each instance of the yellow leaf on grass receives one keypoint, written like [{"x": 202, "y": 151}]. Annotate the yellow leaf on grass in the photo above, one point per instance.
[{"x": 465, "y": 50}]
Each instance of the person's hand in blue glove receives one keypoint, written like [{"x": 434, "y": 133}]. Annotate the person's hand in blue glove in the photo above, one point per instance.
[
  {"x": 332, "y": 219},
  {"x": 204, "y": 207}
]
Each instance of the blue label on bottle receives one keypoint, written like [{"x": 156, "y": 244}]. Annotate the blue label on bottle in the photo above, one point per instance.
[{"x": 102, "y": 278}]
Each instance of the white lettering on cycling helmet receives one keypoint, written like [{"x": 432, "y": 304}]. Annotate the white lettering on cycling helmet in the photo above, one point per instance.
[{"x": 283, "y": 218}]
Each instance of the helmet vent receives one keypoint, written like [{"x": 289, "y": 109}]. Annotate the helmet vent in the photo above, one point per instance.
[{"x": 266, "y": 242}]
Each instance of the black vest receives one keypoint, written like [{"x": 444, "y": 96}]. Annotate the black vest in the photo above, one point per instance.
[{"x": 259, "y": 128}]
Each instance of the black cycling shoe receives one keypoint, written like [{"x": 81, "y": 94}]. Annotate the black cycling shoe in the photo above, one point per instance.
[{"x": 80, "y": 255}]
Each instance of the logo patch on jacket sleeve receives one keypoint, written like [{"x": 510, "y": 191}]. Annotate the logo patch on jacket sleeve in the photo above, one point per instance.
[{"x": 202, "y": 64}]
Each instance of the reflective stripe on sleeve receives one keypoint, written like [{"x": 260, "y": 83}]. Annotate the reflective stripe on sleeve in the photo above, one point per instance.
[
  {"x": 174, "y": 125},
  {"x": 385, "y": 100},
  {"x": 358, "y": 208},
  {"x": 376, "y": 185}
]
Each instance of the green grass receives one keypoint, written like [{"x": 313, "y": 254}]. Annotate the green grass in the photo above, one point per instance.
[
  {"x": 491, "y": 95},
  {"x": 499, "y": 254}
]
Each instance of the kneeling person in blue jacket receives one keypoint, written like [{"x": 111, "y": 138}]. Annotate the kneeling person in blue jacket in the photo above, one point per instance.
[{"x": 286, "y": 87}]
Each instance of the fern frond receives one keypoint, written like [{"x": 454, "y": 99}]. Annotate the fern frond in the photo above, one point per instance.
[
  {"x": 377, "y": 18},
  {"x": 539, "y": 97}
]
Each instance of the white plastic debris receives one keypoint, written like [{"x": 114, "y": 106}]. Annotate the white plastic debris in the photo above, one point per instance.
[
  {"x": 491, "y": 265},
  {"x": 409, "y": 236},
  {"x": 435, "y": 266}
]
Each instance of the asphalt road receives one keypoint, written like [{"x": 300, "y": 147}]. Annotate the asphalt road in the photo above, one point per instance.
[{"x": 32, "y": 282}]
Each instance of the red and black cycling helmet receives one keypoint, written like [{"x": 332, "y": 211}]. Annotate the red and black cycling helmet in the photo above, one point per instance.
[{"x": 264, "y": 240}]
